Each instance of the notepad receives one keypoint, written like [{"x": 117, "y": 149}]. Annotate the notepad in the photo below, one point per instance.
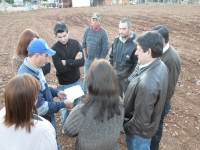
[{"x": 74, "y": 92}]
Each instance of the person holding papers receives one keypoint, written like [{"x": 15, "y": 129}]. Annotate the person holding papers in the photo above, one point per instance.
[
  {"x": 98, "y": 119},
  {"x": 38, "y": 53},
  {"x": 67, "y": 60}
]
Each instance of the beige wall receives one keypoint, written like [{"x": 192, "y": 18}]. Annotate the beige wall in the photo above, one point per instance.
[{"x": 111, "y": 2}]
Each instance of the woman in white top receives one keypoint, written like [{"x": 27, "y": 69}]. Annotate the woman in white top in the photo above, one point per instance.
[{"x": 20, "y": 126}]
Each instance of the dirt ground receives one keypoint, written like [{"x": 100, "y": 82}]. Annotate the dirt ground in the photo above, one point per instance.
[{"x": 181, "y": 129}]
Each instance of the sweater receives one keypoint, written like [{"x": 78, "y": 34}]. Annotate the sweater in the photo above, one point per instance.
[
  {"x": 67, "y": 67},
  {"x": 45, "y": 105},
  {"x": 41, "y": 137},
  {"x": 173, "y": 63},
  {"x": 16, "y": 62},
  {"x": 92, "y": 134},
  {"x": 96, "y": 43}
]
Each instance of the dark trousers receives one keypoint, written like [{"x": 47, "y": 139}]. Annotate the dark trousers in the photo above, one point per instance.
[{"x": 155, "y": 141}]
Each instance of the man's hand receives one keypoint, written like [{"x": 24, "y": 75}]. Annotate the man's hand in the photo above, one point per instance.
[
  {"x": 68, "y": 104},
  {"x": 62, "y": 94},
  {"x": 85, "y": 52},
  {"x": 79, "y": 55}
]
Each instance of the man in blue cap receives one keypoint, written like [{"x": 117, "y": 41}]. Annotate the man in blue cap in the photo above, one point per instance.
[{"x": 38, "y": 52}]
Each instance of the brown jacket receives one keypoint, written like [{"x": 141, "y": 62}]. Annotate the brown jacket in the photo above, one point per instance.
[{"x": 145, "y": 99}]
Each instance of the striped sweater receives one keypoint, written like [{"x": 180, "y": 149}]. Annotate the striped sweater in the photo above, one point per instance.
[{"x": 96, "y": 43}]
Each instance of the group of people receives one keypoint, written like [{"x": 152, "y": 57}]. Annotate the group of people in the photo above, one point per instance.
[{"x": 130, "y": 93}]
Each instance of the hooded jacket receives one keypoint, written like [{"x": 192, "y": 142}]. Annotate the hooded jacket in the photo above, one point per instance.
[{"x": 122, "y": 56}]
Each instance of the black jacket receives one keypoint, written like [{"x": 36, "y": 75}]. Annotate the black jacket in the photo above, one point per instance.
[
  {"x": 122, "y": 56},
  {"x": 145, "y": 99},
  {"x": 67, "y": 68}
]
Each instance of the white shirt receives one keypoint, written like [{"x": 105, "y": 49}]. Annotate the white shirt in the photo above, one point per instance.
[
  {"x": 145, "y": 65},
  {"x": 41, "y": 137},
  {"x": 166, "y": 48}
]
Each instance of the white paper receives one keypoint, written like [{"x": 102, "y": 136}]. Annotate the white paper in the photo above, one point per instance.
[{"x": 74, "y": 92}]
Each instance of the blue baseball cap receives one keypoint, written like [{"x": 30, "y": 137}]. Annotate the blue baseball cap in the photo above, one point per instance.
[{"x": 40, "y": 46}]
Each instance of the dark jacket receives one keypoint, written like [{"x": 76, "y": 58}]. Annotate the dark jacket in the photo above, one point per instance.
[
  {"x": 145, "y": 99},
  {"x": 173, "y": 63},
  {"x": 122, "y": 56},
  {"x": 67, "y": 72}
]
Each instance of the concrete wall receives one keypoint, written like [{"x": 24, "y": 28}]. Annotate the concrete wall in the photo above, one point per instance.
[
  {"x": 80, "y": 3},
  {"x": 116, "y": 2}
]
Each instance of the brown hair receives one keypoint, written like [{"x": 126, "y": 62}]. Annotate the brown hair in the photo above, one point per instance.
[
  {"x": 24, "y": 40},
  {"x": 102, "y": 90},
  {"x": 20, "y": 97}
]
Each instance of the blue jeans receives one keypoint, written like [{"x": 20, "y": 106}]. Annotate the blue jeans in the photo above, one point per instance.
[
  {"x": 65, "y": 112},
  {"x": 137, "y": 143},
  {"x": 53, "y": 122},
  {"x": 87, "y": 65},
  {"x": 157, "y": 137},
  {"x": 122, "y": 87}
]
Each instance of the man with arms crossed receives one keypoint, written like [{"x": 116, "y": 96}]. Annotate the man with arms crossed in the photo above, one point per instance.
[
  {"x": 67, "y": 60},
  {"x": 146, "y": 93}
]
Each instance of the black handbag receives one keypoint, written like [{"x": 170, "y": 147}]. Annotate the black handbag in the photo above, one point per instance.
[{"x": 47, "y": 68}]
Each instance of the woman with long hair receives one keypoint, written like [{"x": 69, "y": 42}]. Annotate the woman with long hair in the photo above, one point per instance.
[
  {"x": 20, "y": 126},
  {"x": 21, "y": 51},
  {"x": 98, "y": 120}
]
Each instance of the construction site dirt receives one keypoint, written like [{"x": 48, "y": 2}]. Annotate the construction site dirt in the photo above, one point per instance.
[{"x": 182, "y": 124}]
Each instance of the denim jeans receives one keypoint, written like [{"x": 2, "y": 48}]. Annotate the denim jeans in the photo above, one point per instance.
[
  {"x": 86, "y": 67},
  {"x": 53, "y": 122},
  {"x": 122, "y": 87},
  {"x": 65, "y": 112},
  {"x": 157, "y": 137},
  {"x": 137, "y": 143}
]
